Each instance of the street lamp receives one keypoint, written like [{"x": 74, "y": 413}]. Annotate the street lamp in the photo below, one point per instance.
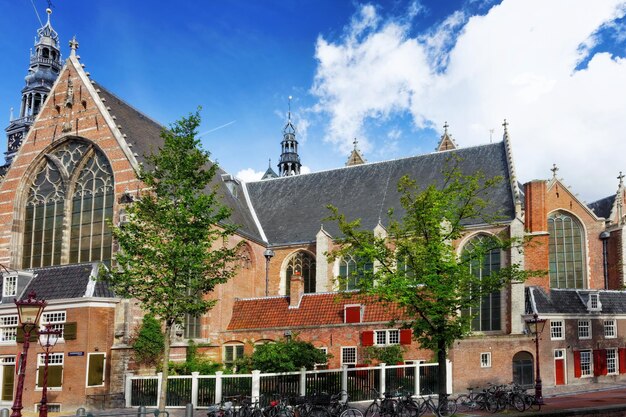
[
  {"x": 28, "y": 312},
  {"x": 535, "y": 327},
  {"x": 269, "y": 254},
  {"x": 48, "y": 337}
]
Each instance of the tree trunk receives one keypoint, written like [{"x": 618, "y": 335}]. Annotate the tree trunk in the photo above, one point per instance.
[
  {"x": 165, "y": 369},
  {"x": 443, "y": 372}
]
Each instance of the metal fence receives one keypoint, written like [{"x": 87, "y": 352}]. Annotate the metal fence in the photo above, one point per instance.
[{"x": 361, "y": 384}]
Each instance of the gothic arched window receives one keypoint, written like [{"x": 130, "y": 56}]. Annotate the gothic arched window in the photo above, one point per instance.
[
  {"x": 567, "y": 251},
  {"x": 350, "y": 270},
  {"x": 304, "y": 264},
  {"x": 67, "y": 206},
  {"x": 487, "y": 316}
]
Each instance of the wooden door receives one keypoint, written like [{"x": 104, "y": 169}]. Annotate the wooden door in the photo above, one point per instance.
[{"x": 559, "y": 367}]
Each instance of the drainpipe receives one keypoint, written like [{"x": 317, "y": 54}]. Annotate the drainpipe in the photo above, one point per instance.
[{"x": 604, "y": 236}]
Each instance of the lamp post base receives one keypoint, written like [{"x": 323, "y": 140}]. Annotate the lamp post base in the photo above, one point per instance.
[{"x": 538, "y": 392}]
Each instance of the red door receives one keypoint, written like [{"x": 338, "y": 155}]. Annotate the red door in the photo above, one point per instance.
[{"x": 559, "y": 367}]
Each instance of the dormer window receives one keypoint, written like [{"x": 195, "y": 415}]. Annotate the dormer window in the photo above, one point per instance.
[
  {"x": 353, "y": 313},
  {"x": 594, "y": 303},
  {"x": 9, "y": 286}
]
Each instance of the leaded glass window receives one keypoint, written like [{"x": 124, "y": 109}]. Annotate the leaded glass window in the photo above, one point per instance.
[
  {"x": 304, "y": 264},
  {"x": 351, "y": 269},
  {"x": 487, "y": 316},
  {"x": 567, "y": 253},
  {"x": 74, "y": 180}
]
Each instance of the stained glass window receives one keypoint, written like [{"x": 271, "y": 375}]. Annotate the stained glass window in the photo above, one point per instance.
[{"x": 567, "y": 253}]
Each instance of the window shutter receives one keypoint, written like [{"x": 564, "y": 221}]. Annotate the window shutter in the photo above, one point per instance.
[
  {"x": 405, "y": 336},
  {"x": 367, "y": 338},
  {"x": 19, "y": 337},
  {"x": 622, "y": 360},
  {"x": 352, "y": 314},
  {"x": 597, "y": 362},
  {"x": 95, "y": 370},
  {"x": 603, "y": 369},
  {"x": 69, "y": 331},
  {"x": 577, "y": 372}
]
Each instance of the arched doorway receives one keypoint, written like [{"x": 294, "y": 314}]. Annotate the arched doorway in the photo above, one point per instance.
[{"x": 523, "y": 371}]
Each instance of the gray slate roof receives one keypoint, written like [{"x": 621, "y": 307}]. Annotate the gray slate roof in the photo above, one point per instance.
[
  {"x": 292, "y": 209},
  {"x": 572, "y": 301},
  {"x": 603, "y": 207}
]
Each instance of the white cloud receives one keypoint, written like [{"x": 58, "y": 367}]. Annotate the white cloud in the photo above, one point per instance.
[
  {"x": 249, "y": 175},
  {"x": 517, "y": 62}
]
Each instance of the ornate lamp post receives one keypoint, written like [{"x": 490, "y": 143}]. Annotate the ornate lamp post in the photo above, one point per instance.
[
  {"x": 269, "y": 254},
  {"x": 48, "y": 337},
  {"x": 28, "y": 312},
  {"x": 535, "y": 327}
]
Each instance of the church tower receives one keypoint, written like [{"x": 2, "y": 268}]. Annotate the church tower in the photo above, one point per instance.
[
  {"x": 289, "y": 163},
  {"x": 44, "y": 68}
]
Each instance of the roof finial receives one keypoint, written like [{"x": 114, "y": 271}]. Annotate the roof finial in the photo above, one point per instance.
[
  {"x": 554, "y": 169},
  {"x": 49, "y": 11},
  {"x": 73, "y": 46},
  {"x": 506, "y": 127},
  {"x": 289, "y": 114},
  {"x": 445, "y": 128},
  {"x": 355, "y": 142},
  {"x": 620, "y": 177},
  {"x": 270, "y": 163}
]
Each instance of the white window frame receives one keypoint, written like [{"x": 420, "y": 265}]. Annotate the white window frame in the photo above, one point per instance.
[
  {"x": 59, "y": 357},
  {"x": 582, "y": 325},
  {"x": 57, "y": 319},
  {"x": 8, "y": 328},
  {"x": 614, "y": 361},
  {"x": 232, "y": 346},
  {"x": 586, "y": 366},
  {"x": 388, "y": 335},
  {"x": 485, "y": 359},
  {"x": 104, "y": 373},
  {"x": 9, "y": 282},
  {"x": 557, "y": 330},
  {"x": 610, "y": 329},
  {"x": 345, "y": 349}
]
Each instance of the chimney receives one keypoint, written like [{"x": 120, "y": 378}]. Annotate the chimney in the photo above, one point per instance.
[{"x": 296, "y": 290}]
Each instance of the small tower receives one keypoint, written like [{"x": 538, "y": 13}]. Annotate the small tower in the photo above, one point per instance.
[
  {"x": 289, "y": 163},
  {"x": 43, "y": 70},
  {"x": 270, "y": 172},
  {"x": 446, "y": 143},
  {"x": 355, "y": 157}
]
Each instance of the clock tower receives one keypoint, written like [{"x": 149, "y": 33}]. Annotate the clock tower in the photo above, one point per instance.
[{"x": 43, "y": 70}]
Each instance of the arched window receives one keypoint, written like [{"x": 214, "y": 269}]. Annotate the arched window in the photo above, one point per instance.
[
  {"x": 304, "y": 264},
  {"x": 487, "y": 317},
  {"x": 350, "y": 270},
  {"x": 74, "y": 182},
  {"x": 567, "y": 251}
]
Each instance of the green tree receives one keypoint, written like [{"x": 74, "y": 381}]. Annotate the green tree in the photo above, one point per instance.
[
  {"x": 285, "y": 355},
  {"x": 148, "y": 345},
  {"x": 416, "y": 265},
  {"x": 173, "y": 249}
]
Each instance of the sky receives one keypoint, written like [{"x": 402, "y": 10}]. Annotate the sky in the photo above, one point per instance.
[{"x": 388, "y": 73}]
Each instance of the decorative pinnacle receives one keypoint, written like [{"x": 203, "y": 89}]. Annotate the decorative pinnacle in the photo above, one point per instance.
[
  {"x": 506, "y": 127},
  {"x": 620, "y": 177},
  {"x": 554, "y": 169},
  {"x": 73, "y": 46},
  {"x": 49, "y": 11}
]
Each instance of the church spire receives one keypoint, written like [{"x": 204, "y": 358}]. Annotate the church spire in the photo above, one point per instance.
[
  {"x": 289, "y": 163},
  {"x": 43, "y": 70},
  {"x": 355, "y": 157}
]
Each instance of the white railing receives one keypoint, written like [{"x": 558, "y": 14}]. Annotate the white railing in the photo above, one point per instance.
[{"x": 360, "y": 384}]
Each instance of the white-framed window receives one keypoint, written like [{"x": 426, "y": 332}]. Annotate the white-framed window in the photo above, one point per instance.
[
  {"x": 611, "y": 361},
  {"x": 594, "y": 302},
  {"x": 96, "y": 364},
  {"x": 56, "y": 319},
  {"x": 232, "y": 352},
  {"x": 556, "y": 330},
  {"x": 386, "y": 337},
  {"x": 52, "y": 407},
  {"x": 9, "y": 286},
  {"x": 8, "y": 328},
  {"x": 559, "y": 354},
  {"x": 348, "y": 356},
  {"x": 610, "y": 329},
  {"x": 586, "y": 363},
  {"x": 584, "y": 329},
  {"x": 55, "y": 370},
  {"x": 485, "y": 360}
]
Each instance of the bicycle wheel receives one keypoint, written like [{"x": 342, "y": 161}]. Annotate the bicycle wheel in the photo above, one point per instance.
[
  {"x": 491, "y": 403},
  {"x": 351, "y": 412},
  {"x": 373, "y": 410},
  {"x": 446, "y": 408},
  {"x": 408, "y": 409},
  {"x": 518, "y": 402},
  {"x": 318, "y": 411},
  {"x": 463, "y": 403}
]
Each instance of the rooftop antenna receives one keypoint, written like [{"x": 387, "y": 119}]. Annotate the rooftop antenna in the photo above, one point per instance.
[{"x": 35, "y": 9}]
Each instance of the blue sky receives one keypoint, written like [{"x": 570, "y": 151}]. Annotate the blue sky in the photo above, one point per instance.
[{"x": 388, "y": 72}]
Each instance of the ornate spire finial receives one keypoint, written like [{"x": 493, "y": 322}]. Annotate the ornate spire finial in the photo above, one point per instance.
[
  {"x": 73, "y": 46},
  {"x": 445, "y": 128},
  {"x": 289, "y": 114},
  {"x": 355, "y": 142},
  {"x": 620, "y": 177},
  {"x": 554, "y": 169},
  {"x": 49, "y": 11}
]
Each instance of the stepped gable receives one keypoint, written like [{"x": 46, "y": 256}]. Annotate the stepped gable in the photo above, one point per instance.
[
  {"x": 365, "y": 191},
  {"x": 144, "y": 136},
  {"x": 320, "y": 309},
  {"x": 572, "y": 301},
  {"x": 602, "y": 208},
  {"x": 65, "y": 281}
]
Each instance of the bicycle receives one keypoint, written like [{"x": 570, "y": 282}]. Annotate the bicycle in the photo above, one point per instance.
[
  {"x": 443, "y": 408},
  {"x": 471, "y": 401},
  {"x": 383, "y": 405}
]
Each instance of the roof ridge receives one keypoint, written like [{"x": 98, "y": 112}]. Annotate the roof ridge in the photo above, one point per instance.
[
  {"x": 308, "y": 294},
  {"x": 60, "y": 266}
]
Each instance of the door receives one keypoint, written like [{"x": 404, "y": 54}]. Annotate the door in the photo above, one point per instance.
[
  {"x": 559, "y": 367},
  {"x": 7, "y": 378},
  {"x": 523, "y": 373}
]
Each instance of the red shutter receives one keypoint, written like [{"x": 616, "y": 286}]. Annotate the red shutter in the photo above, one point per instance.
[
  {"x": 603, "y": 369},
  {"x": 352, "y": 314},
  {"x": 405, "y": 336},
  {"x": 597, "y": 362},
  {"x": 367, "y": 338},
  {"x": 622, "y": 360},
  {"x": 577, "y": 372}
]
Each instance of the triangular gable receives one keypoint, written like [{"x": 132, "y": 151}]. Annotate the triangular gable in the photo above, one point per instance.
[{"x": 555, "y": 185}]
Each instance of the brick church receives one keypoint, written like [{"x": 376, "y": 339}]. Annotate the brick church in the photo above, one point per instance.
[{"x": 71, "y": 164}]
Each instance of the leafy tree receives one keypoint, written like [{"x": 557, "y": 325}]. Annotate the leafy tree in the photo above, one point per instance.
[
  {"x": 285, "y": 355},
  {"x": 416, "y": 265},
  {"x": 172, "y": 251},
  {"x": 384, "y": 354},
  {"x": 148, "y": 345}
]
